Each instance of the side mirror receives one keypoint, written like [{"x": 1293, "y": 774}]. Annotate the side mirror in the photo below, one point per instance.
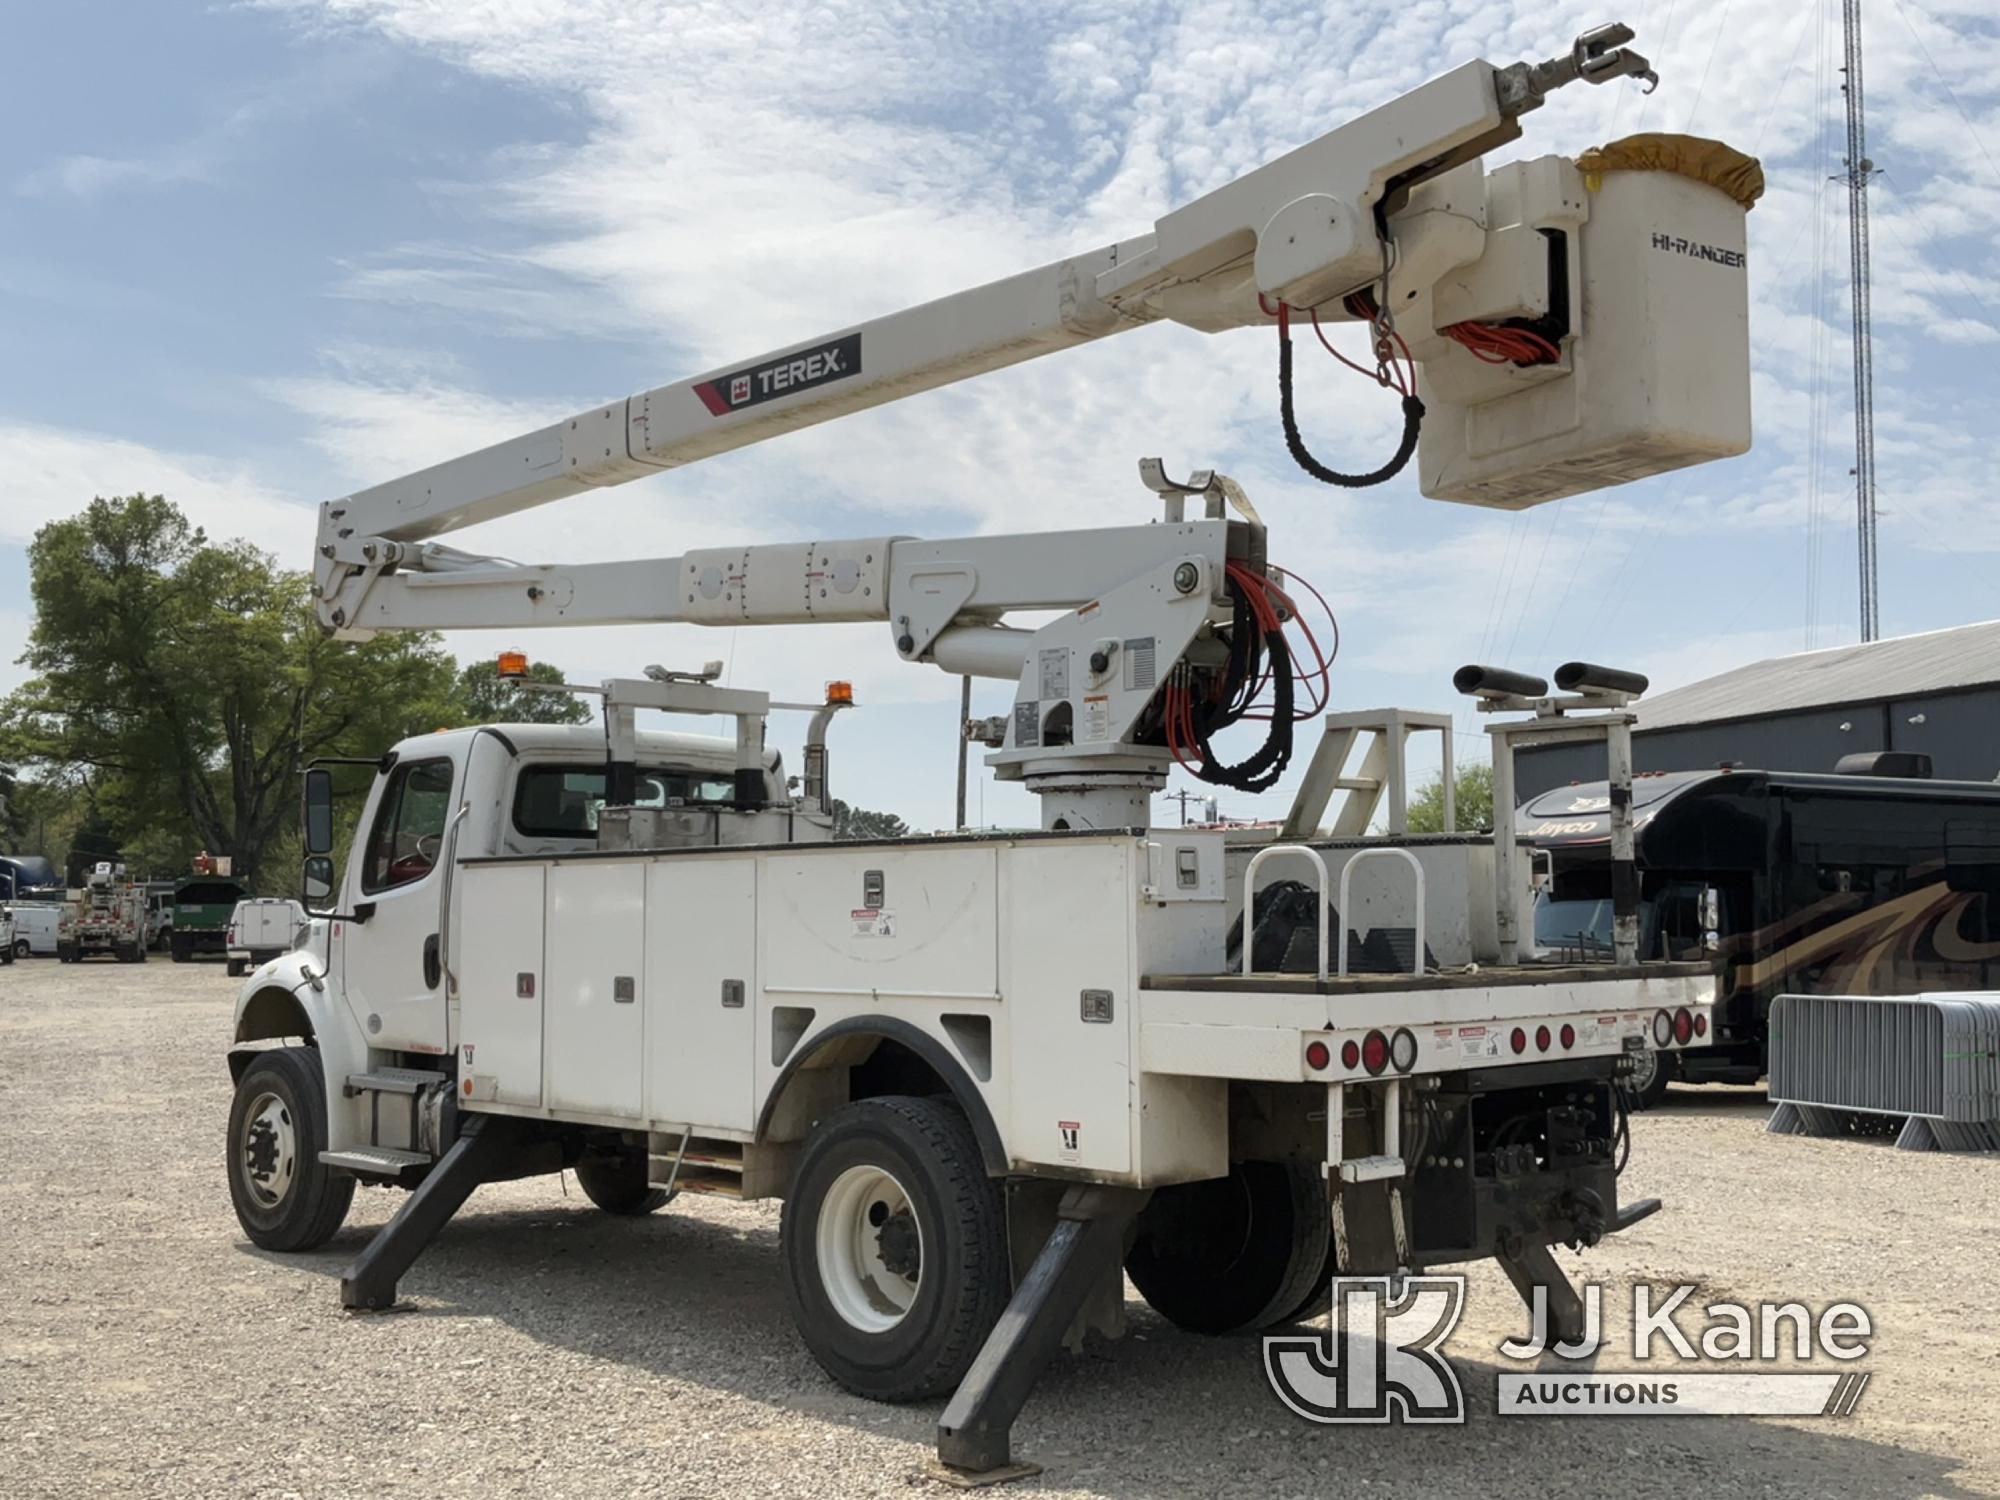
[
  {"x": 319, "y": 812},
  {"x": 316, "y": 883}
]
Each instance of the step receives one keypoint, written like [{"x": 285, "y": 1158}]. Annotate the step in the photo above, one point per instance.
[
  {"x": 1372, "y": 1168},
  {"x": 393, "y": 1081},
  {"x": 379, "y": 1161}
]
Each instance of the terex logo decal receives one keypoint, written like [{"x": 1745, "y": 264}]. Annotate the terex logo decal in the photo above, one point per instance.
[{"x": 786, "y": 375}]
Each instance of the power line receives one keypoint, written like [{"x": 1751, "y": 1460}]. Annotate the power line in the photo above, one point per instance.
[{"x": 1950, "y": 94}]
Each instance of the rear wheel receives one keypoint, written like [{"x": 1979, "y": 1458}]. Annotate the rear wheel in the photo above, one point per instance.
[
  {"x": 1238, "y": 1253},
  {"x": 285, "y": 1198},
  {"x": 236, "y": 968},
  {"x": 617, "y": 1184},
  {"x": 66, "y": 953},
  {"x": 1646, "y": 1085},
  {"x": 7, "y": 955},
  {"x": 895, "y": 1246},
  {"x": 21, "y": 948},
  {"x": 180, "y": 949}
]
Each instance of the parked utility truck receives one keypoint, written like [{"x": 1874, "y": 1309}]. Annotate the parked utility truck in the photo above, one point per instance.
[
  {"x": 978, "y": 1068},
  {"x": 105, "y": 916}
]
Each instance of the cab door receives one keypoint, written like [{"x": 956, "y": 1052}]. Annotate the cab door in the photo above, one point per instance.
[{"x": 389, "y": 931}]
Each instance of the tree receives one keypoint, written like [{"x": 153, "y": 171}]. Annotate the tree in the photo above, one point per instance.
[
  {"x": 185, "y": 684},
  {"x": 485, "y": 697},
  {"x": 1473, "y": 793},
  {"x": 860, "y": 823}
]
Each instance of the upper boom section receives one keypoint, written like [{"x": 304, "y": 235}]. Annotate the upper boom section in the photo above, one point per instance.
[{"x": 1302, "y": 229}]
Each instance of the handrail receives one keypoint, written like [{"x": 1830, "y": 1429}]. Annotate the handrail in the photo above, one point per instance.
[
  {"x": 1346, "y": 871},
  {"x": 1250, "y": 898}
]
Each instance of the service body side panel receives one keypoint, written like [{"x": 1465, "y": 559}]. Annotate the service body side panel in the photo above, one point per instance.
[
  {"x": 701, "y": 926},
  {"x": 500, "y": 963},
  {"x": 593, "y": 1019},
  {"x": 1069, "y": 925}
]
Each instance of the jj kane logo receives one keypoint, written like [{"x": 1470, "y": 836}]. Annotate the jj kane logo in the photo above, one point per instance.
[
  {"x": 783, "y": 375},
  {"x": 1381, "y": 1358}
]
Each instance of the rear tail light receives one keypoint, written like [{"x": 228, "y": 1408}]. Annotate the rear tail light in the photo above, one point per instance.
[
  {"x": 1518, "y": 1041},
  {"x": 1541, "y": 1038},
  {"x": 1350, "y": 1054},
  {"x": 1375, "y": 1052},
  {"x": 1701, "y": 1025},
  {"x": 1663, "y": 1029},
  {"x": 1317, "y": 1056},
  {"x": 1683, "y": 1026},
  {"x": 1568, "y": 1036}
]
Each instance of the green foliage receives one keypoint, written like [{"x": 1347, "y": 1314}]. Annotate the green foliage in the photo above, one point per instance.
[
  {"x": 485, "y": 697},
  {"x": 860, "y": 823},
  {"x": 1473, "y": 794},
  {"x": 182, "y": 685}
]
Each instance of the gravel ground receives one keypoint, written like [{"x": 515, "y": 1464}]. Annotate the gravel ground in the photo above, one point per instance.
[{"x": 549, "y": 1350}]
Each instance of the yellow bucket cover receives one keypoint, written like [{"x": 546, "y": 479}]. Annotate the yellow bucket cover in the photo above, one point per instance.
[{"x": 1720, "y": 166}]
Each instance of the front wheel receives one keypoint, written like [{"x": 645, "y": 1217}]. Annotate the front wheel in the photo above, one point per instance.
[
  {"x": 236, "y": 967},
  {"x": 895, "y": 1247},
  {"x": 285, "y": 1198},
  {"x": 11, "y": 951}
]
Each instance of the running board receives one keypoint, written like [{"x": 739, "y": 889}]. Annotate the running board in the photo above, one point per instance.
[{"x": 375, "y": 1161}]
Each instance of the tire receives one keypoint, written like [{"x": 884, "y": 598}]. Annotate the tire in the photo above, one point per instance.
[
  {"x": 22, "y": 949},
  {"x": 914, "y": 1164},
  {"x": 617, "y": 1184},
  {"x": 278, "y": 1118},
  {"x": 65, "y": 953},
  {"x": 1643, "y": 1090},
  {"x": 180, "y": 951},
  {"x": 235, "y": 968},
  {"x": 8, "y": 956},
  {"x": 1236, "y": 1254}
]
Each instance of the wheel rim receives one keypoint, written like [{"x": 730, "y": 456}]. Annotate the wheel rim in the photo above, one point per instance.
[
  {"x": 268, "y": 1151},
  {"x": 1645, "y": 1068},
  {"x": 870, "y": 1249}
]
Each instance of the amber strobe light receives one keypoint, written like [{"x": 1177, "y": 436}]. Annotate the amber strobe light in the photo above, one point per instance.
[
  {"x": 840, "y": 692},
  {"x": 513, "y": 664}
]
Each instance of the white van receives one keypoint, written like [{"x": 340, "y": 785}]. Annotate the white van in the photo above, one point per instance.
[
  {"x": 260, "y": 929},
  {"x": 35, "y": 927}
]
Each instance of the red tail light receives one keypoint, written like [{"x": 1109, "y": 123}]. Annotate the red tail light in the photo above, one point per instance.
[
  {"x": 1375, "y": 1052},
  {"x": 1350, "y": 1054},
  {"x": 1683, "y": 1026},
  {"x": 1519, "y": 1041},
  {"x": 1317, "y": 1056},
  {"x": 1701, "y": 1025},
  {"x": 1541, "y": 1038},
  {"x": 1568, "y": 1036}
]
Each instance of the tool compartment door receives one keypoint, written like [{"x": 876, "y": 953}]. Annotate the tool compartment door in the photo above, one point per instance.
[
  {"x": 701, "y": 946},
  {"x": 883, "y": 922},
  {"x": 500, "y": 972},
  {"x": 594, "y": 1015}
]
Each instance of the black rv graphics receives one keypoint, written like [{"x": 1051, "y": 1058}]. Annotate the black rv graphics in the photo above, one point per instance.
[{"x": 1791, "y": 882}]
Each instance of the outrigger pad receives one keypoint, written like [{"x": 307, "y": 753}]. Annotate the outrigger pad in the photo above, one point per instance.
[{"x": 369, "y": 1284}]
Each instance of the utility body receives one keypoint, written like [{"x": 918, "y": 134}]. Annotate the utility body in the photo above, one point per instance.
[
  {"x": 991, "y": 1073},
  {"x": 261, "y": 928}
]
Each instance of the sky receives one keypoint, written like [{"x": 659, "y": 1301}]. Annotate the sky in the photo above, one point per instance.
[{"x": 258, "y": 255}]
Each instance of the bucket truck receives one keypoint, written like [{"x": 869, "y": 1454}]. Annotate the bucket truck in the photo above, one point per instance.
[{"x": 988, "y": 1073}]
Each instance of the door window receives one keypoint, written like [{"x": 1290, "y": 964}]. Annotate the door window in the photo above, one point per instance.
[{"x": 409, "y": 826}]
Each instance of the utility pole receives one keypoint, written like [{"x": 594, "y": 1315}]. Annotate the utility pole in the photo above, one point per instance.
[{"x": 1859, "y": 170}]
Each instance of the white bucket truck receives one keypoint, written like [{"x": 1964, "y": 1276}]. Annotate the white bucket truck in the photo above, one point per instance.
[{"x": 979, "y": 1068}]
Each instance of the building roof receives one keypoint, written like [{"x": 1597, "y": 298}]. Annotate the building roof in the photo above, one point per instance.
[{"x": 1937, "y": 661}]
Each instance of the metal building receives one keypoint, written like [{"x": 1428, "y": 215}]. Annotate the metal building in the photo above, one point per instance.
[{"x": 1936, "y": 693}]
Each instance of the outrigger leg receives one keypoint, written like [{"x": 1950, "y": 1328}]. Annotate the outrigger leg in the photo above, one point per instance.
[
  {"x": 483, "y": 1141},
  {"x": 1088, "y": 1240}
]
